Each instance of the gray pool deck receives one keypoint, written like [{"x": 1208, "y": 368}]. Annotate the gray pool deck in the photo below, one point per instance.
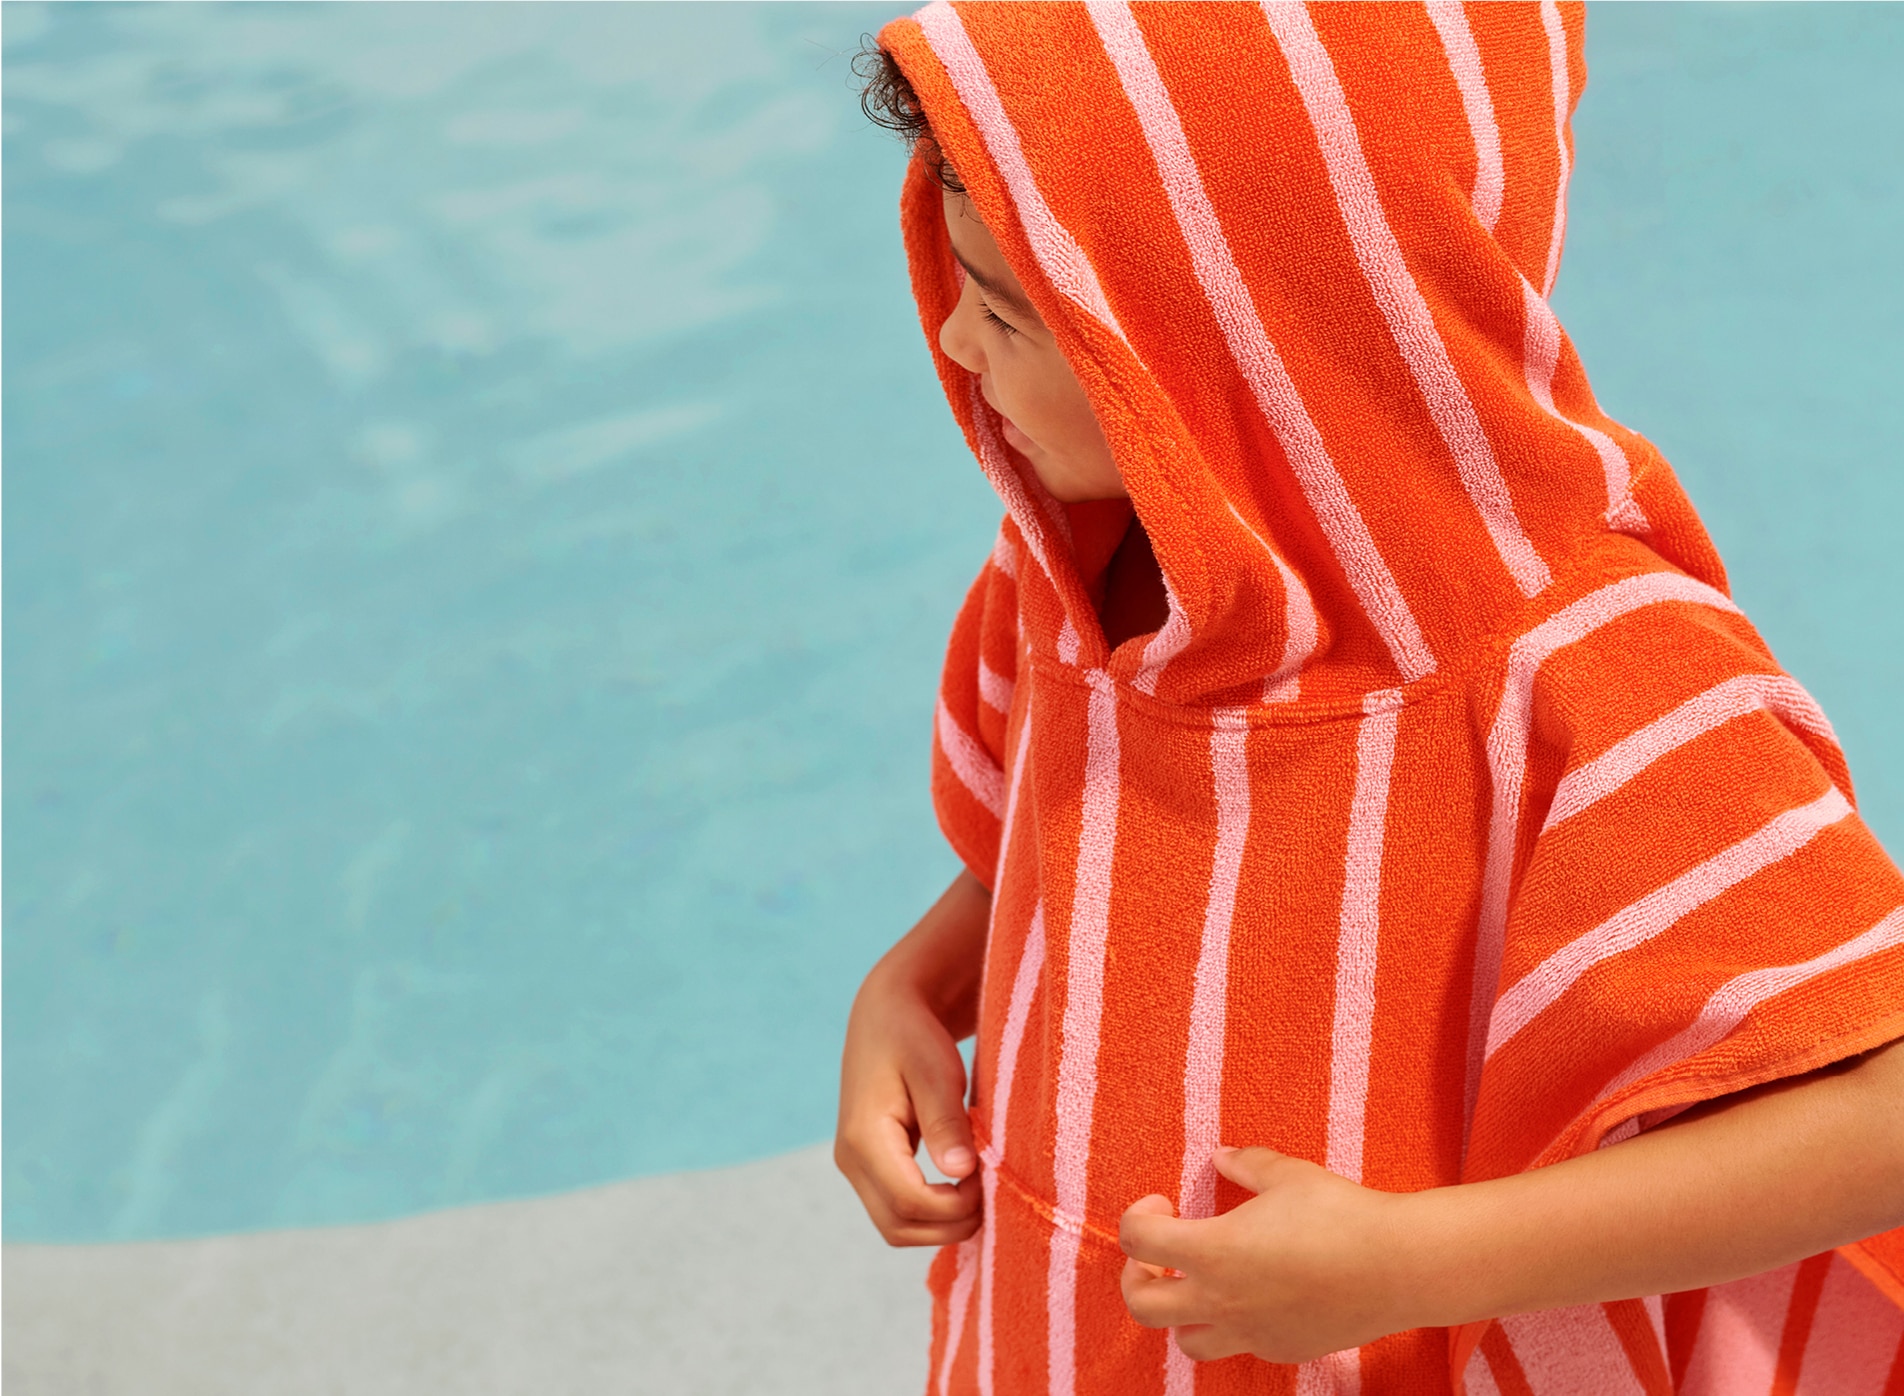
[{"x": 765, "y": 1279}]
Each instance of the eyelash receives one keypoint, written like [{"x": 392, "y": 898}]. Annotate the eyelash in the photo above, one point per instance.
[{"x": 1000, "y": 324}]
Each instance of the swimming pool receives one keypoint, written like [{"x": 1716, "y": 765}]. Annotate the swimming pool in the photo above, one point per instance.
[{"x": 482, "y": 528}]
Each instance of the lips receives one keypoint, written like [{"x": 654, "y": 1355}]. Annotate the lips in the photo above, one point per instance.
[{"x": 1014, "y": 438}]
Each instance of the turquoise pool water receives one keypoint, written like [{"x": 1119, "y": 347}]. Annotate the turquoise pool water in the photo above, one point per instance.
[{"x": 481, "y": 529}]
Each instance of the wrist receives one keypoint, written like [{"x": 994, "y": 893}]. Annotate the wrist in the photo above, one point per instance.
[
  {"x": 1446, "y": 1271},
  {"x": 911, "y": 977},
  {"x": 938, "y": 963}
]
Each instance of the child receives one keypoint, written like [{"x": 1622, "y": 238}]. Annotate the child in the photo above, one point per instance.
[{"x": 1356, "y": 760}]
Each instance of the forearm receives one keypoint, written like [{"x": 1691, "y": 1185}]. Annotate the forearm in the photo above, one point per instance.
[
  {"x": 1755, "y": 1183},
  {"x": 942, "y": 956}
]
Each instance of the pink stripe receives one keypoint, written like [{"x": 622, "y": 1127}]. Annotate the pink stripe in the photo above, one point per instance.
[
  {"x": 955, "y": 1309},
  {"x": 1655, "y": 1307},
  {"x": 1164, "y": 646},
  {"x": 971, "y": 763},
  {"x": 1338, "y": 1374},
  {"x": 1249, "y": 344},
  {"x": 1180, "y": 1373},
  {"x": 1068, "y": 643},
  {"x": 994, "y": 688},
  {"x": 1061, "y": 1287},
  {"x": 1024, "y": 983},
  {"x": 1739, "y": 1332},
  {"x": 1732, "y": 1001},
  {"x": 1006, "y": 481},
  {"x": 1059, "y": 256},
  {"x": 1299, "y": 637},
  {"x": 1540, "y": 358},
  {"x": 1507, "y": 766},
  {"x": 1634, "y": 925},
  {"x": 1557, "y": 61},
  {"x": 1854, "y": 1337},
  {"x": 1024, "y": 986},
  {"x": 1004, "y": 555},
  {"x": 1083, "y": 1013},
  {"x": 988, "y": 1266},
  {"x": 1360, "y": 931},
  {"x": 1203, "y": 1059},
  {"x": 1479, "y": 1377},
  {"x": 1006, "y": 825},
  {"x": 1409, "y": 320},
  {"x": 1016, "y": 1009},
  {"x": 1564, "y": 1351},
  {"x": 1464, "y": 59},
  {"x": 1625, "y": 759},
  {"x": 1300, "y": 628}
]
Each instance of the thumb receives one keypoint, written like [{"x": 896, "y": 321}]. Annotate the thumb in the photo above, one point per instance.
[
  {"x": 1154, "y": 1205},
  {"x": 1255, "y": 1169},
  {"x": 938, "y": 1104}
]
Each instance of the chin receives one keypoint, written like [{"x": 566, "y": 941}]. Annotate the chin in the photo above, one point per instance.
[
  {"x": 1068, "y": 488},
  {"x": 1064, "y": 491}
]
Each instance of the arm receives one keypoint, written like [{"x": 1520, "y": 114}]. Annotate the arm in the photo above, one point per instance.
[
  {"x": 902, "y": 1079},
  {"x": 1315, "y": 1263}
]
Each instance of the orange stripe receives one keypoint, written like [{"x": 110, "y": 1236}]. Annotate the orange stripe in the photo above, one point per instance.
[
  {"x": 1684, "y": 1313},
  {"x": 1806, "y": 1288},
  {"x": 1502, "y": 1362},
  {"x": 1895, "y": 1386},
  {"x": 1641, "y": 1340}
]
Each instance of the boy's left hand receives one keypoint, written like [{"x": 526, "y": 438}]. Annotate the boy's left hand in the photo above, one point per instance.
[{"x": 1310, "y": 1265}]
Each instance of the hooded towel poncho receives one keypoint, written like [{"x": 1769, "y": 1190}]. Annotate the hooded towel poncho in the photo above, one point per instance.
[{"x": 1456, "y": 822}]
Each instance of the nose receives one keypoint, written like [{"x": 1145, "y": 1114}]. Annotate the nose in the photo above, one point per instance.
[{"x": 959, "y": 336}]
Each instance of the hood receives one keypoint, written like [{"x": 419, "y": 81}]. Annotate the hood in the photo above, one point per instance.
[{"x": 1299, "y": 257}]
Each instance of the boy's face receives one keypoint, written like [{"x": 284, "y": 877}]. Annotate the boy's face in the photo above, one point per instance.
[{"x": 994, "y": 333}]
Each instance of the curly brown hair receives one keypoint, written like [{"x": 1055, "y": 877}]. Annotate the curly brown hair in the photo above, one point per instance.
[{"x": 888, "y": 99}]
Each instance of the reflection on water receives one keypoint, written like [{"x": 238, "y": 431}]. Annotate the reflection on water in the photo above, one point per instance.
[{"x": 481, "y": 530}]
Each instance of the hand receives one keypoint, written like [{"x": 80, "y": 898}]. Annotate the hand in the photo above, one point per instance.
[
  {"x": 1310, "y": 1265},
  {"x": 902, "y": 1080}
]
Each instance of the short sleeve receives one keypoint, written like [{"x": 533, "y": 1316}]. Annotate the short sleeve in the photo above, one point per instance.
[
  {"x": 1696, "y": 908},
  {"x": 969, "y": 783}
]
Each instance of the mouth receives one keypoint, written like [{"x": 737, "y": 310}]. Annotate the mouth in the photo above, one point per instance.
[{"x": 1014, "y": 438}]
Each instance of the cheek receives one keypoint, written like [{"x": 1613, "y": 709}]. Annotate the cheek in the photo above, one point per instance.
[
  {"x": 1031, "y": 394},
  {"x": 1063, "y": 408}
]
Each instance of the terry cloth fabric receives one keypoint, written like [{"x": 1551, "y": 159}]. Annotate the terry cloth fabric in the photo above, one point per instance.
[{"x": 1456, "y": 822}]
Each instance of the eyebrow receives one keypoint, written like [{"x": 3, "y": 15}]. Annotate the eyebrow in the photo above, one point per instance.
[{"x": 991, "y": 288}]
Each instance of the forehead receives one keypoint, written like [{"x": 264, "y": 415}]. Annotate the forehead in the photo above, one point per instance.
[{"x": 975, "y": 246}]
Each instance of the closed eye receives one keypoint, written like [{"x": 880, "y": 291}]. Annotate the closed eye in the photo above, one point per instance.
[{"x": 1000, "y": 324}]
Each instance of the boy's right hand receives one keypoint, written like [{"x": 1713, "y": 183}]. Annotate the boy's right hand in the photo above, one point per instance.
[{"x": 902, "y": 1079}]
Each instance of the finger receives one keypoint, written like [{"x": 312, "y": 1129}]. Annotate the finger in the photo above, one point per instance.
[
  {"x": 1207, "y": 1342},
  {"x": 1157, "y": 1237},
  {"x": 1255, "y": 1169},
  {"x": 1155, "y": 1205},
  {"x": 888, "y": 1163},
  {"x": 901, "y": 1231},
  {"x": 902, "y": 1234},
  {"x": 938, "y": 1104},
  {"x": 896, "y": 1231},
  {"x": 1158, "y": 1303}
]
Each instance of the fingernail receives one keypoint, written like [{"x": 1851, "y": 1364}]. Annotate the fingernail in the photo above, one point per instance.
[{"x": 958, "y": 1160}]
